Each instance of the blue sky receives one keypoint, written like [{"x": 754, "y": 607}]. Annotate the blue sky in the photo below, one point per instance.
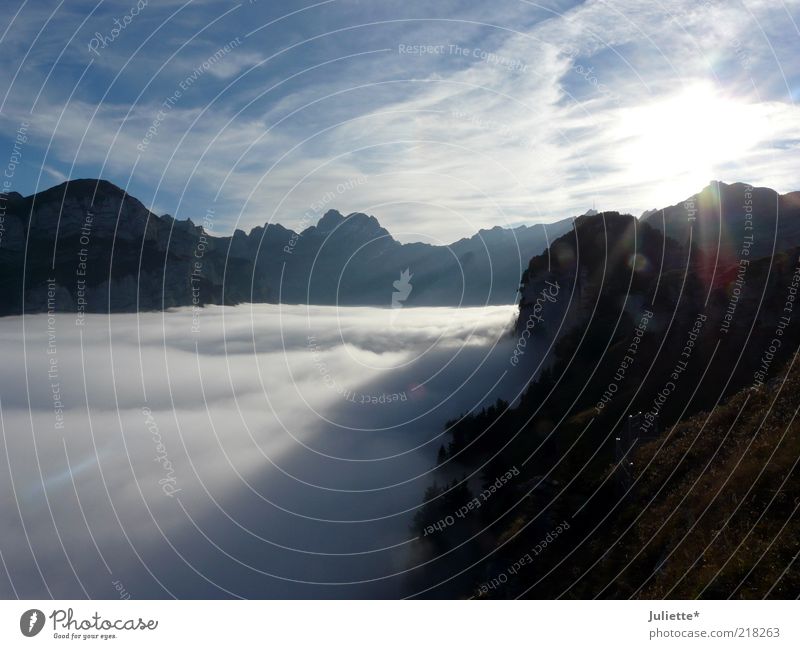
[{"x": 438, "y": 118}]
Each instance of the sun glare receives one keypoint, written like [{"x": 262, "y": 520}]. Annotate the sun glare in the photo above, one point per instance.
[{"x": 679, "y": 143}]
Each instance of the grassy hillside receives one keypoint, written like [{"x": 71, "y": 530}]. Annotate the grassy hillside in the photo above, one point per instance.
[{"x": 715, "y": 507}]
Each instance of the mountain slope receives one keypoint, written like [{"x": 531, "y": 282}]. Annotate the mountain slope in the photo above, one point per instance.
[
  {"x": 716, "y": 507},
  {"x": 722, "y": 216},
  {"x": 644, "y": 335}
]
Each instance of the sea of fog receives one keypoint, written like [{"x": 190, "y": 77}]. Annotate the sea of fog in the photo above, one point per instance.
[{"x": 250, "y": 451}]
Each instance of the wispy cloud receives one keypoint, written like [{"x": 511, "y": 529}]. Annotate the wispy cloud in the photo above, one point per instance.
[{"x": 460, "y": 116}]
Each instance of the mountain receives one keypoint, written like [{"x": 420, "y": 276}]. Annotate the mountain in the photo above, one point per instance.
[
  {"x": 88, "y": 246},
  {"x": 652, "y": 400},
  {"x": 722, "y": 217}
]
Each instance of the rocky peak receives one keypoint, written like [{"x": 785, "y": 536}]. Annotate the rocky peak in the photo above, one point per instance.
[
  {"x": 331, "y": 220},
  {"x": 356, "y": 225}
]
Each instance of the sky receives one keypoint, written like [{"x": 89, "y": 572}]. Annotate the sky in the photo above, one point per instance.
[{"x": 438, "y": 118}]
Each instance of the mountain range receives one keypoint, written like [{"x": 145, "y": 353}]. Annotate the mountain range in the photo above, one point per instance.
[
  {"x": 90, "y": 246},
  {"x": 87, "y": 245}
]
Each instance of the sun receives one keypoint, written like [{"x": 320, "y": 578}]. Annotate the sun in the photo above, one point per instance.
[{"x": 680, "y": 142}]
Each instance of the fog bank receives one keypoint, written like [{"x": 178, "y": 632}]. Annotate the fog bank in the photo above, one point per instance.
[{"x": 251, "y": 451}]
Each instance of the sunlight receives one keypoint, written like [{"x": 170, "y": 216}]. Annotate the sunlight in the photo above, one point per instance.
[{"x": 679, "y": 143}]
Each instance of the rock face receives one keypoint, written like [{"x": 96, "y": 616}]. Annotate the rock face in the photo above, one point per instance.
[
  {"x": 91, "y": 247},
  {"x": 607, "y": 255}
]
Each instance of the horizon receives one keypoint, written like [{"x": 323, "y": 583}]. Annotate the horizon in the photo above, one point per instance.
[{"x": 198, "y": 221}]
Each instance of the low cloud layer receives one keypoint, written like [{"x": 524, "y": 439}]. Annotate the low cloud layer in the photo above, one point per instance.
[{"x": 275, "y": 451}]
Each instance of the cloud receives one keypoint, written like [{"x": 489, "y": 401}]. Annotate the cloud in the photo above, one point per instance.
[
  {"x": 287, "y": 452},
  {"x": 55, "y": 174},
  {"x": 510, "y": 113},
  {"x": 232, "y": 64}
]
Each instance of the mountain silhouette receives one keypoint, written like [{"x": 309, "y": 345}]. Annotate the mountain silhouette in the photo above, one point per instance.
[
  {"x": 87, "y": 245},
  {"x": 722, "y": 216}
]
